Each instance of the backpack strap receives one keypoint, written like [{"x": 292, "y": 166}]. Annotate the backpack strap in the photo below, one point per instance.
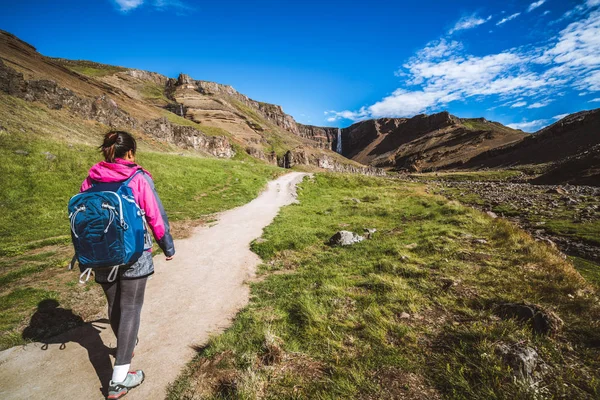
[{"x": 126, "y": 182}]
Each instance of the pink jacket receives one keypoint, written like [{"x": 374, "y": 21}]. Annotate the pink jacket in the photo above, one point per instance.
[{"x": 144, "y": 192}]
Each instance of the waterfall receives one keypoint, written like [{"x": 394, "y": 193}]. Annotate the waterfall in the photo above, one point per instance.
[
  {"x": 181, "y": 110},
  {"x": 338, "y": 148}
]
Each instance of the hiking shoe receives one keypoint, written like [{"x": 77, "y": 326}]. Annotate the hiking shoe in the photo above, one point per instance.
[{"x": 116, "y": 390}]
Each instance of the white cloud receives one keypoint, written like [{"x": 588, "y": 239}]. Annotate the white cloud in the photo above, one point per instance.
[
  {"x": 404, "y": 103},
  {"x": 443, "y": 72},
  {"x": 560, "y": 116},
  {"x": 469, "y": 22},
  {"x": 510, "y": 17},
  {"x": 596, "y": 100},
  {"x": 529, "y": 126},
  {"x": 439, "y": 49},
  {"x": 592, "y": 81},
  {"x": 535, "y": 5},
  {"x": 578, "y": 44},
  {"x": 175, "y": 4},
  {"x": 160, "y": 5},
  {"x": 540, "y": 104},
  {"x": 546, "y": 12},
  {"x": 126, "y": 5}
]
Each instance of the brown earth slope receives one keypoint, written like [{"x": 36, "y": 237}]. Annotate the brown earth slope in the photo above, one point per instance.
[
  {"x": 201, "y": 116},
  {"x": 569, "y": 147},
  {"x": 424, "y": 142}
]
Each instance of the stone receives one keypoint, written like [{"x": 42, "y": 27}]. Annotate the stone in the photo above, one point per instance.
[
  {"x": 49, "y": 156},
  {"x": 369, "y": 232},
  {"x": 549, "y": 242},
  {"x": 404, "y": 315},
  {"x": 345, "y": 238},
  {"x": 557, "y": 190},
  {"x": 571, "y": 201},
  {"x": 357, "y": 201},
  {"x": 189, "y": 137},
  {"x": 22, "y": 152},
  {"x": 523, "y": 360},
  {"x": 492, "y": 214},
  {"x": 411, "y": 246},
  {"x": 541, "y": 321},
  {"x": 479, "y": 241}
]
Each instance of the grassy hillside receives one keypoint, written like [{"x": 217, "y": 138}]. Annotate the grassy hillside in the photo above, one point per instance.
[
  {"x": 46, "y": 155},
  {"x": 411, "y": 313},
  {"x": 89, "y": 68}
]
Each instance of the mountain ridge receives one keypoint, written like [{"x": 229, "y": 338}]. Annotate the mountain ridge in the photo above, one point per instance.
[
  {"x": 145, "y": 102},
  {"x": 217, "y": 120}
]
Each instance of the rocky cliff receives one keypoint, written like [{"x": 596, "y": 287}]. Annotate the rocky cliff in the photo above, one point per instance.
[
  {"x": 568, "y": 150},
  {"x": 566, "y": 138},
  {"x": 194, "y": 114},
  {"x": 424, "y": 142},
  {"x": 266, "y": 131},
  {"x": 206, "y": 102},
  {"x": 106, "y": 110}
]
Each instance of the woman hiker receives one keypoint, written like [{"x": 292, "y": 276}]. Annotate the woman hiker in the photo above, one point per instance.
[{"x": 125, "y": 294}]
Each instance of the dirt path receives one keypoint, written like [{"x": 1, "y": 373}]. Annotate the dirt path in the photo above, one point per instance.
[{"x": 187, "y": 300}]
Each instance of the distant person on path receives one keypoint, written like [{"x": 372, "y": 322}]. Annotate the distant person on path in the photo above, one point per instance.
[{"x": 125, "y": 294}]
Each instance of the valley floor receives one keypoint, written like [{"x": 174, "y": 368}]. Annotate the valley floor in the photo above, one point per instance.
[
  {"x": 567, "y": 217},
  {"x": 443, "y": 301}
]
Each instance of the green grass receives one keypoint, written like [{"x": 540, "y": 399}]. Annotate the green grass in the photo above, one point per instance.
[
  {"x": 248, "y": 111},
  {"x": 588, "y": 231},
  {"x": 95, "y": 71},
  {"x": 589, "y": 270},
  {"x": 15, "y": 309},
  {"x": 35, "y": 189},
  {"x": 38, "y": 176},
  {"x": 475, "y": 125},
  {"x": 153, "y": 92},
  {"x": 561, "y": 222},
  {"x": 26, "y": 119},
  {"x": 327, "y": 322},
  {"x": 90, "y": 68}
]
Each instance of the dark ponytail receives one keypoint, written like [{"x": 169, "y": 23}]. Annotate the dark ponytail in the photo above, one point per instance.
[{"x": 116, "y": 144}]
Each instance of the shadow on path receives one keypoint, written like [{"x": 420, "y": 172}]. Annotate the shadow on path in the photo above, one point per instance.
[{"x": 48, "y": 323}]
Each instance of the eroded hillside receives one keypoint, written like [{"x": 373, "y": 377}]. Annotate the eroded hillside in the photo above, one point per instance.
[
  {"x": 424, "y": 142},
  {"x": 570, "y": 147},
  {"x": 204, "y": 117}
]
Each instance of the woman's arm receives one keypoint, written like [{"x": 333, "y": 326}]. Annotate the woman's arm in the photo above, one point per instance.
[{"x": 156, "y": 217}]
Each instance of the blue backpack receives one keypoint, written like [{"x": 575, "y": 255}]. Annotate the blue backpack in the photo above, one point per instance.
[{"x": 107, "y": 227}]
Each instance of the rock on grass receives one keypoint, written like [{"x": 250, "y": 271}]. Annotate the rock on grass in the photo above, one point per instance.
[{"x": 345, "y": 238}]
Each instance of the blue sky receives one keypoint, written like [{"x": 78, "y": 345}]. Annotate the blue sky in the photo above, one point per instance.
[{"x": 523, "y": 63}]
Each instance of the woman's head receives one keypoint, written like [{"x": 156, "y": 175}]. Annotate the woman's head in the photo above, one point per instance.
[{"x": 118, "y": 144}]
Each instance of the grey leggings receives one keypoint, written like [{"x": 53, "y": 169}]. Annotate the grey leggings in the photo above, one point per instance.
[{"x": 125, "y": 299}]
